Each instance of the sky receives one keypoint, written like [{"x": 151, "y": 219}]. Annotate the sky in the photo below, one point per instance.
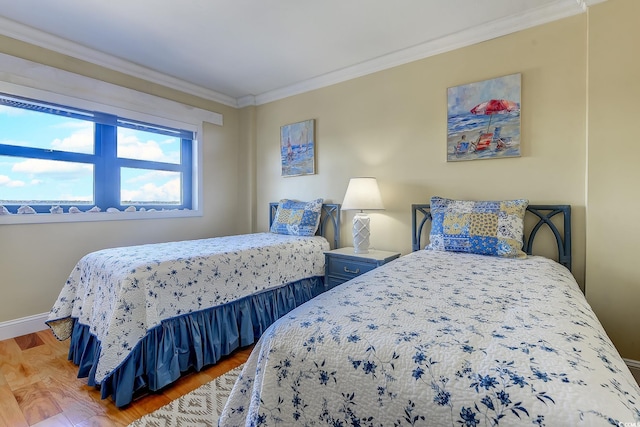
[{"x": 23, "y": 179}]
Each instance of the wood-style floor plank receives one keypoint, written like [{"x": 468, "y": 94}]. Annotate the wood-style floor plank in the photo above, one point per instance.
[
  {"x": 28, "y": 341},
  {"x": 39, "y": 387},
  {"x": 10, "y": 413},
  {"x": 36, "y": 402}
]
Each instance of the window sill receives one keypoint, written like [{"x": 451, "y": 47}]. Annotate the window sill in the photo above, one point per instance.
[{"x": 44, "y": 218}]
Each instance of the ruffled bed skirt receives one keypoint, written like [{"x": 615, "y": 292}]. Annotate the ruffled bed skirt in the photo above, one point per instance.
[{"x": 191, "y": 341}]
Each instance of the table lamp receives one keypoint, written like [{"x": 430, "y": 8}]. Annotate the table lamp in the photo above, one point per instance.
[{"x": 362, "y": 194}]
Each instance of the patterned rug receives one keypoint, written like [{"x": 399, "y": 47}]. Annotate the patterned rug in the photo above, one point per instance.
[{"x": 201, "y": 407}]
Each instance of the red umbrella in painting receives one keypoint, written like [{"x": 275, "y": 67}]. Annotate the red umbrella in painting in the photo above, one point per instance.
[{"x": 495, "y": 106}]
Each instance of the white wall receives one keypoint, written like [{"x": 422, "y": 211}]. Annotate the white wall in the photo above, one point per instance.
[
  {"x": 393, "y": 125},
  {"x": 613, "y": 230}
]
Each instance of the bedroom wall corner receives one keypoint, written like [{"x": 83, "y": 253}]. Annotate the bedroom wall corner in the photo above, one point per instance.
[
  {"x": 612, "y": 280},
  {"x": 247, "y": 203}
]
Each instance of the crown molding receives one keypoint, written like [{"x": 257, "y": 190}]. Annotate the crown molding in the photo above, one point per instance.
[
  {"x": 454, "y": 41},
  {"x": 532, "y": 18},
  {"x": 246, "y": 101},
  {"x": 57, "y": 44}
]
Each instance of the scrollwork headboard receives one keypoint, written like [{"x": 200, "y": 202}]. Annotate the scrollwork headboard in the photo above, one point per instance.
[{"x": 421, "y": 214}]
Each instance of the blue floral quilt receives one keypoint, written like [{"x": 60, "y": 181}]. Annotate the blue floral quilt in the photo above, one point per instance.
[
  {"x": 439, "y": 339},
  {"x": 122, "y": 293}
]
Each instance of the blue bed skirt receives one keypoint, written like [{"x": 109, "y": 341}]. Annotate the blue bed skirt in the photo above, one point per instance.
[{"x": 191, "y": 341}]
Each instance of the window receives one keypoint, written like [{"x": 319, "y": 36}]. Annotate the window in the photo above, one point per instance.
[{"x": 56, "y": 158}]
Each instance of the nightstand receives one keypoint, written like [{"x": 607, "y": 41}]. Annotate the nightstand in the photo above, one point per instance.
[{"x": 343, "y": 264}]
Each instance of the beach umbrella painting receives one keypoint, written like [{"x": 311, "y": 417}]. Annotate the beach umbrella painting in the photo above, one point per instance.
[{"x": 495, "y": 106}]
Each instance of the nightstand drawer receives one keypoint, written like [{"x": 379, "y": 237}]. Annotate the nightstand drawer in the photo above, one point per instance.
[
  {"x": 348, "y": 268},
  {"x": 344, "y": 264}
]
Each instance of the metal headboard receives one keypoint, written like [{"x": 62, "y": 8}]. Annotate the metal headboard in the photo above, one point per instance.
[
  {"x": 330, "y": 215},
  {"x": 544, "y": 213}
]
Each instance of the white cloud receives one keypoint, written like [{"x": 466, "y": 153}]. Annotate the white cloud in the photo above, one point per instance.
[
  {"x": 167, "y": 192},
  {"x": 132, "y": 147},
  {"x": 80, "y": 141},
  {"x": 40, "y": 166},
  {"x": 5, "y": 181}
]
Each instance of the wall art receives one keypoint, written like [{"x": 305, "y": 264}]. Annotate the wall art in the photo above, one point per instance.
[
  {"x": 483, "y": 119},
  {"x": 297, "y": 148}
]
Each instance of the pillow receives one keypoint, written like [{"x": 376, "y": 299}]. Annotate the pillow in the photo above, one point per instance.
[
  {"x": 297, "y": 218},
  {"x": 485, "y": 228}
]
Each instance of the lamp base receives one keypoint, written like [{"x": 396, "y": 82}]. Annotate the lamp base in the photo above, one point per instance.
[{"x": 361, "y": 233}]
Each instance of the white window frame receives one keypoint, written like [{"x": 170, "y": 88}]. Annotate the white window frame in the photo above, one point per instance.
[{"x": 32, "y": 80}]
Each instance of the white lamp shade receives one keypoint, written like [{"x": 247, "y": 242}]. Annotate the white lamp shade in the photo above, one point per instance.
[{"x": 362, "y": 194}]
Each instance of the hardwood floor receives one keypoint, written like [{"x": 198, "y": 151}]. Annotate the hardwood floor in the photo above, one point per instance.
[{"x": 38, "y": 387}]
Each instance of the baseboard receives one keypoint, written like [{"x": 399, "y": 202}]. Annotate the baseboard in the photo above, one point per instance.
[
  {"x": 632, "y": 364},
  {"x": 25, "y": 325}
]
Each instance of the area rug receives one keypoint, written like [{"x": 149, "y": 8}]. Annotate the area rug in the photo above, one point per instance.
[{"x": 200, "y": 407}]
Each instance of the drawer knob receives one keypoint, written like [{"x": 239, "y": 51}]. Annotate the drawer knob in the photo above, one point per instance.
[{"x": 346, "y": 270}]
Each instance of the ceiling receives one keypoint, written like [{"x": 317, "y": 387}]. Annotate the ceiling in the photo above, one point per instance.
[{"x": 248, "y": 52}]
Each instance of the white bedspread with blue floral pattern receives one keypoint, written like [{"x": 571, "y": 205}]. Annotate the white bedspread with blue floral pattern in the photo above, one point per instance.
[
  {"x": 122, "y": 293},
  {"x": 439, "y": 339}
]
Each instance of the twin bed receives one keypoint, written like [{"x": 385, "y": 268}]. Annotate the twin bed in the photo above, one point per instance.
[
  {"x": 140, "y": 316},
  {"x": 469, "y": 331}
]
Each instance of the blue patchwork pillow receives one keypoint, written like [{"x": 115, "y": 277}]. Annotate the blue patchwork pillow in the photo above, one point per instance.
[
  {"x": 297, "y": 218},
  {"x": 485, "y": 228}
]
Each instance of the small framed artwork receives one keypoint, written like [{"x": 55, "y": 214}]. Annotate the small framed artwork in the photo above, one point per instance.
[
  {"x": 297, "y": 148},
  {"x": 483, "y": 119}
]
